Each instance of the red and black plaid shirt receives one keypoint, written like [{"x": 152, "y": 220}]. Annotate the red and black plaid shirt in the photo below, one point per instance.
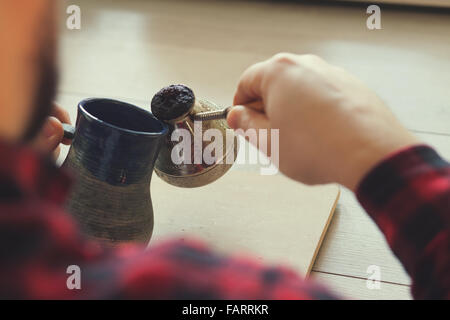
[{"x": 408, "y": 195}]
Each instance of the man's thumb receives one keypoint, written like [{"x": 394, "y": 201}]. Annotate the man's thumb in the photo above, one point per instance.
[
  {"x": 50, "y": 136},
  {"x": 241, "y": 117}
]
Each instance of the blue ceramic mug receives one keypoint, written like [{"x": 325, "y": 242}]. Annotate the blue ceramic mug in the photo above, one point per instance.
[{"x": 113, "y": 153}]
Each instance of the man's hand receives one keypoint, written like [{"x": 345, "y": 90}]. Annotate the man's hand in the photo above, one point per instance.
[
  {"x": 332, "y": 127},
  {"x": 52, "y": 133}
]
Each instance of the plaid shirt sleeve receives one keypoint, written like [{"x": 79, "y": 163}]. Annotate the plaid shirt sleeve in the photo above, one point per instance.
[
  {"x": 39, "y": 242},
  {"x": 408, "y": 196}
]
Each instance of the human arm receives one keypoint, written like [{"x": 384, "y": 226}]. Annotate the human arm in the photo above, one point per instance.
[{"x": 334, "y": 129}]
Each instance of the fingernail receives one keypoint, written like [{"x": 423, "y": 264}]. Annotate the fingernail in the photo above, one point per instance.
[
  {"x": 49, "y": 129},
  {"x": 233, "y": 116}
]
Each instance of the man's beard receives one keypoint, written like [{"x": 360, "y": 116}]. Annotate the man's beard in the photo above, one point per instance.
[{"x": 47, "y": 80}]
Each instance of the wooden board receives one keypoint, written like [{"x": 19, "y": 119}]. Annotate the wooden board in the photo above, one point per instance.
[{"x": 272, "y": 218}]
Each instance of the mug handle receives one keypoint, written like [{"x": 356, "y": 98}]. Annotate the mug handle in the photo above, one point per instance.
[{"x": 69, "y": 131}]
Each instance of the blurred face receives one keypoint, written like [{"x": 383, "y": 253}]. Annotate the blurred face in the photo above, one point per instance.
[{"x": 27, "y": 66}]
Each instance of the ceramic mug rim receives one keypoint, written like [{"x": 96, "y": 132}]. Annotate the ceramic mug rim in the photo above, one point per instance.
[{"x": 90, "y": 117}]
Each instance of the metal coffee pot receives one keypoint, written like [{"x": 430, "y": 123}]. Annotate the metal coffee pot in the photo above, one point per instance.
[{"x": 199, "y": 120}]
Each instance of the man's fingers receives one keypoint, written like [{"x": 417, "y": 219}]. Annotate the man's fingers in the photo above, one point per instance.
[
  {"x": 250, "y": 85},
  {"x": 56, "y": 153},
  {"x": 52, "y": 133},
  {"x": 63, "y": 116},
  {"x": 248, "y": 122},
  {"x": 50, "y": 136},
  {"x": 256, "y": 105},
  {"x": 60, "y": 114},
  {"x": 241, "y": 117}
]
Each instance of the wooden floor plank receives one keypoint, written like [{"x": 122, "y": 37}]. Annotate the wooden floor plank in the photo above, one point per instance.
[
  {"x": 353, "y": 288},
  {"x": 354, "y": 242}
]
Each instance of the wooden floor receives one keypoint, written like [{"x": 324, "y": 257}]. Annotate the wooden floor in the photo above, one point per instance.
[{"x": 130, "y": 49}]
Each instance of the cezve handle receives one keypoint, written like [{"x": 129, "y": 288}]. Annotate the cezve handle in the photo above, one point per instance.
[{"x": 69, "y": 131}]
